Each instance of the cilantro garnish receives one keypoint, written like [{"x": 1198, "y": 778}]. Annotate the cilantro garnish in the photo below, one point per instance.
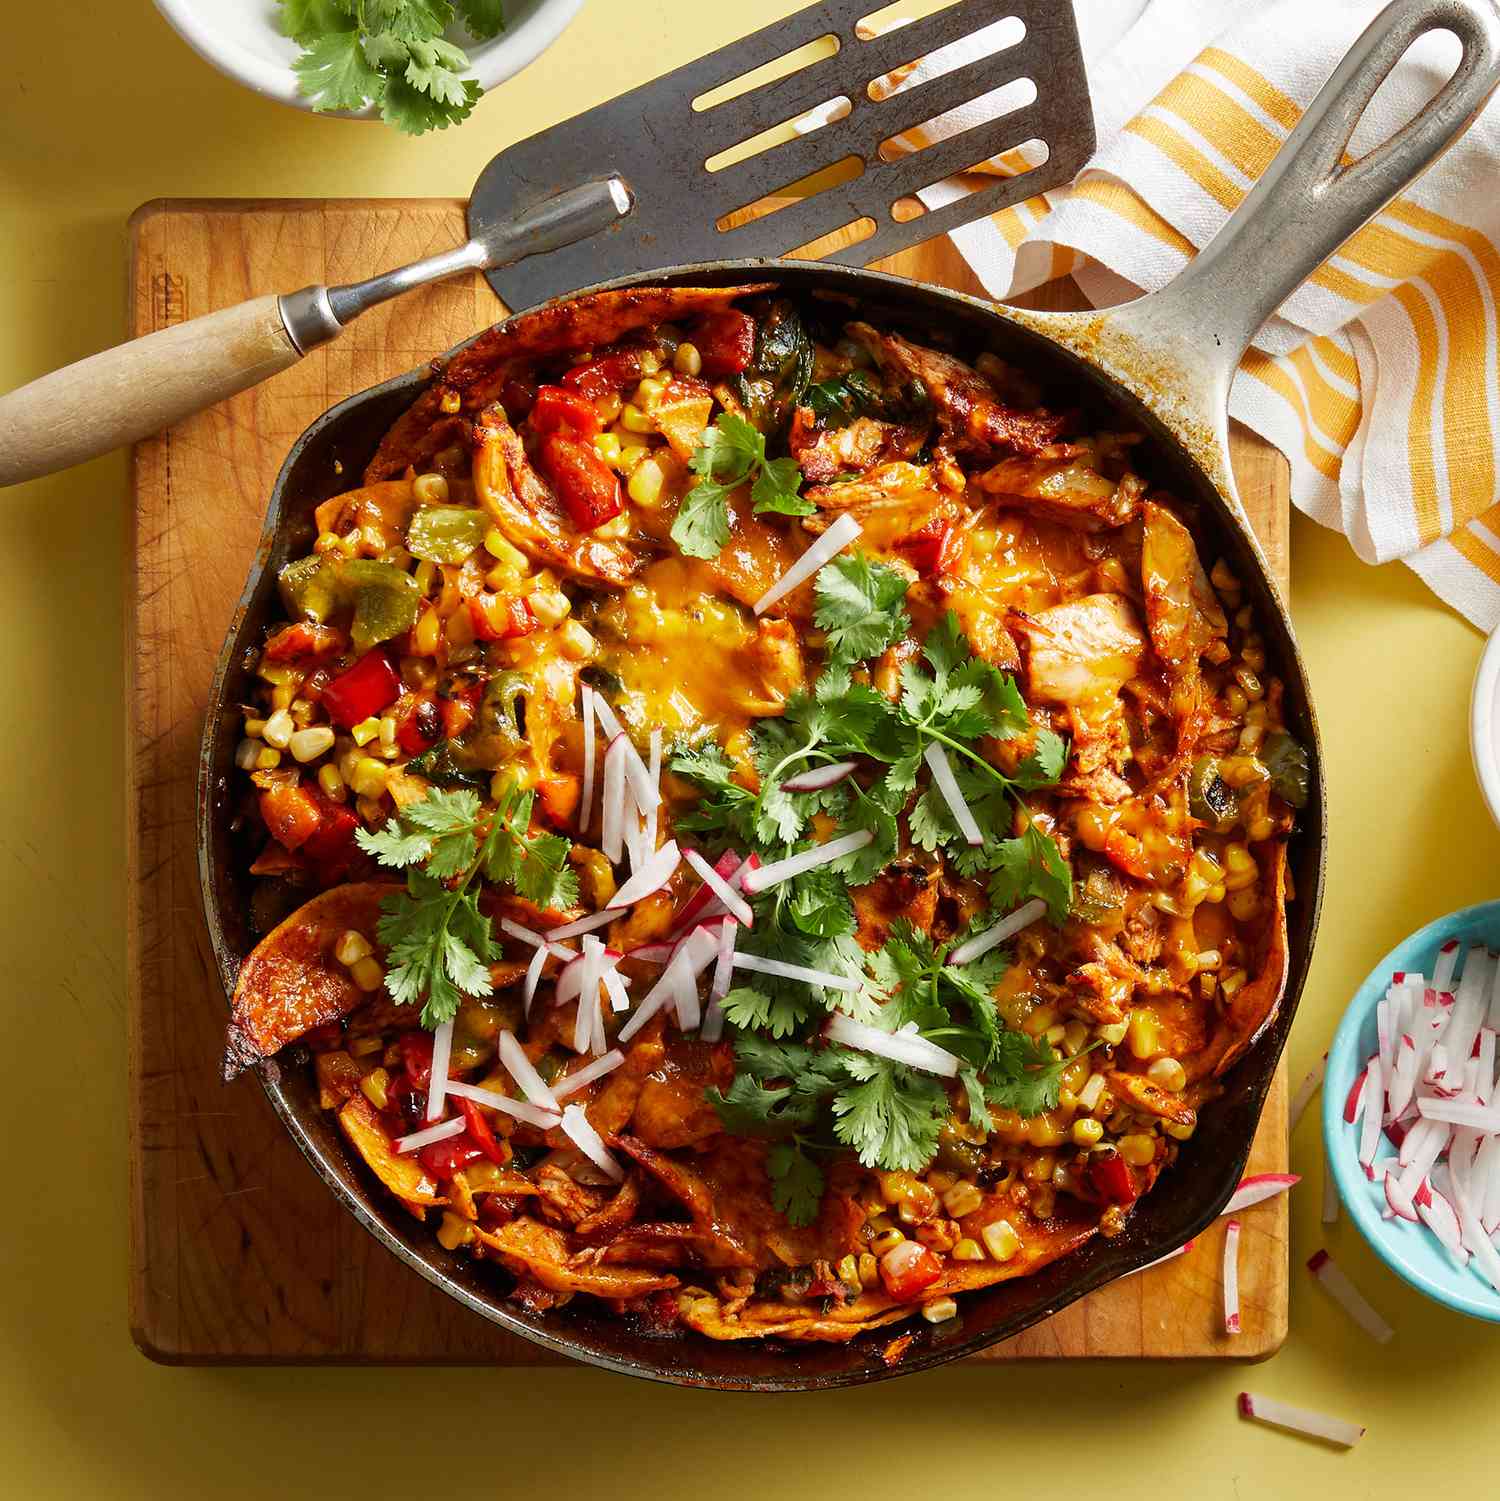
[
  {"x": 438, "y": 942},
  {"x": 389, "y": 52},
  {"x": 732, "y": 451},
  {"x": 859, "y": 605}
]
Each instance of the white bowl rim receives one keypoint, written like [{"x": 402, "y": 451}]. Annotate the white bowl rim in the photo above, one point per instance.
[
  {"x": 1484, "y": 727},
  {"x": 505, "y": 56}
]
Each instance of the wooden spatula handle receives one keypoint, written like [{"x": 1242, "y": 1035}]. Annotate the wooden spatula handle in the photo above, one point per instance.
[{"x": 135, "y": 389}]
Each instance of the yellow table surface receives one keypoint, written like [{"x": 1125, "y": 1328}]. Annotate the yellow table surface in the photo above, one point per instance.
[{"x": 101, "y": 108}]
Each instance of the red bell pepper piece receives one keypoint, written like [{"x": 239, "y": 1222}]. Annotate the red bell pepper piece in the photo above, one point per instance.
[
  {"x": 560, "y": 410},
  {"x": 932, "y": 548},
  {"x": 907, "y": 1269},
  {"x": 420, "y": 726},
  {"x": 303, "y": 639},
  {"x": 371, "y": 685},
  {"x": 331, "y": 845},
  {"x": 416, "y": 1057},
  {"x": 610, "y": 372},
  {"x": 479, "y": 1129},
  {"x": 497, "y": 620},
  {"x": 1109, "y": 1176},
  {"x": 585, "y": 484},
  {"x": 725, "y": 342},
  {"x": 291, "y": 814},
  {"x": 444, "y": 1158}
]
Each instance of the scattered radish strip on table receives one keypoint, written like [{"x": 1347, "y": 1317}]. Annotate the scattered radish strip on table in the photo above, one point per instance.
[
  {"x": 1257, "y": 1188},
  {"x": 829, "y": 545},
  {"x": 1347, "y": 1295},
  {"x": 1232, "y": 1277},
  {"x": 1305, "y": 1091},
  {"x": 1330, "y": 1194},
  {"x": 1182, "y": 1250},
  {"x": 1300, "y": 1420}
]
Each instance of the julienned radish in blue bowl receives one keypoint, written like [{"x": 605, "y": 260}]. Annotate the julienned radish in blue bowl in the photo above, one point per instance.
[{"x": 1411, "y": 1112}]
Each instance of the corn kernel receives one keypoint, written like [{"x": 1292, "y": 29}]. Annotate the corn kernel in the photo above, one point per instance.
[
  {"x": 1055, "y": 1034},
  {"x": 687, "y": 360},
  {"x": 1088, "y": 1096},
  {"x": 1240, "y": 869},
  {"x": 1244, "y": 904},
  {"x": 364, "y": 732},
  {"x": 352, "y": 946},
  {"x": 387, "y": 731},
  {"x": 302, "y": 712},
  {"x": 255, "y": 728},
  {"x": 1087, "y": 1132},
  {"x": 267, "y": 759},
  {"x": 374, "y": 1086},
  {"x": 498, "y": 547},
  {"x": 367, "y": 974},
  {"x": 646, "y": 482},
  {"x": 1250, "y": 739},
  {"x": 650, "y": 361},
  {"x": 1113, "y": 1033},
  {"x": 967, "y": 1250},
  {"x": 607, "y": 446},
  {"x": 848, "y": 1272},
  {"x": 575, "y": 642},
  {"x": 279, "y": 729},
  {"x": 963, "y": 1198},
  {"x": 550, "y": 606},
  {"x": 369, "y": 777},
  {"x": 308, "y": 745},
  {"x": 1180, "y": 1130},
  {"x": 1075, "y": 1038},
  {"x": 940, "y": 1310},
  {"x": 1138, "y": 1150},
  {"x": 1144, "y": 1034},
  {"x": 648, "y": 394},
  {"x": 608, "y": 406},
  {"x": 869, "y": 1269},
  {"x": 246, "y": 754},
  {"x": 631, "y": 454},
  {"x": 1169, "y": 1074},
  {"x": 887, "y": 1240},
  {"x": 1232, "y": 982},
  {"x": 362, "y": 1047},
  {"x": 1235, "y": 700},
  {"x": 430, "y": 489},
  {"x": 451, "y": 402},
  {"x": 426, "y": 634},
  {"x": 1254, "y": 657},
  {"x": 1000, "y": 1239},
  {"x": 634, "y": 420}
]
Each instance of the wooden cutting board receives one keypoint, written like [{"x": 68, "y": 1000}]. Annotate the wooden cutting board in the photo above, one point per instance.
[{"x": 238, "y": 1252}]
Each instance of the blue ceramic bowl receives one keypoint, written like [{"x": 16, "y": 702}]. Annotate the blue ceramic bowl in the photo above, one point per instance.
[{"x": 1411, "y": 1251}]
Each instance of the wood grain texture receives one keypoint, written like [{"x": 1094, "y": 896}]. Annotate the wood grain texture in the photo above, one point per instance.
[{"x": 238, "y": 1253}]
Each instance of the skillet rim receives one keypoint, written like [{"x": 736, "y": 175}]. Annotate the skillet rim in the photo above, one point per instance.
[{"x": 857, "y": 1362}]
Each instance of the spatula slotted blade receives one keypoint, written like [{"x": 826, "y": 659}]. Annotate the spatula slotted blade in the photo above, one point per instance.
[{"x": 657, "y": 141}]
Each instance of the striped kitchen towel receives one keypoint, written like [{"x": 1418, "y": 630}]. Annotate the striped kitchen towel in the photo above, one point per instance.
[{"x": 1378, "y": 378}]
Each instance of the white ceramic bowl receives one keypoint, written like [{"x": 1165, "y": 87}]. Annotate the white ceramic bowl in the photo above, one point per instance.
[
  {"x": 1484, "y": 725},
  {"x": 242, "y": 40}
]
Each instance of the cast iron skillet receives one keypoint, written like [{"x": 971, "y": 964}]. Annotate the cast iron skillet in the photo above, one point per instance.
[{"x": 1160, "y": 365}]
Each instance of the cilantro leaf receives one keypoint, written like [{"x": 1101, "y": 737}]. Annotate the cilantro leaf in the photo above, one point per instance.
[
  {"x": 779, "y": 1015},
  {"x": 1033, "y": 1076},
  {"x": 796, "y": 1182},
  {"x": 307, "y": 20},
  {"x": 860, "y": 606},
  {"x": 701, "y": 527},
  {"x": 415, "y": 113},
  {"x": 777, "y": 488},
  {"x": 483, "y": 18},
  {"x": 334, "y": 73},
  {"x": 430, "y": 68},
  {"x": 1031, "y": 865},
  {"x": 891, "y": 1116},
  {"x": 1044, "y": 765}
]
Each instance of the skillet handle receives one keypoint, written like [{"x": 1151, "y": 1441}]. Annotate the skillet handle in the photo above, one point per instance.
[{"x": 1307, "y": 203}]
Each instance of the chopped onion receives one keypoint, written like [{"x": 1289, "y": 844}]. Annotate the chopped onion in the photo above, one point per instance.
[
  {"x": 904, "y": 1047},
  {"x": 586, "y": 801},
  {"x": 577, "y": 1129},
  {"x": 766, "y": 876},
  {"x": 533, "y": 1115},
  {"x": 829, "y": 545},
  {"x": 1461, "y": 1113},
  {"x": 785, "y": 971},
  {"x": 653, "y": 874},
  {"x": 521, "y": 1069},
  {"x": 982, "y": 943},
  {"x": 442, "y": 1051},
  {"x": 431, "y": 1134},
  {"x": 942, "y": 774},
  {"x": 647, "y": 794},
  {"x": 581, "y": 925},
  {"x": 1257, "y": 1188},
  {"x": 612, "y": 814},
  {"x": 819, "y": 777},
  {"x": 570, "y": 1084},
  {"x": 1305, "y": 1091},
  {"x": 1232, "y": 1277},
  {"x": 1348, "y": 1296},
  {"x": 1300, "y": 1420},
  {"x": 533, "y": 979},
  {"x": 1182, "y": 1250},
  {"x": 732, "y": 900}
]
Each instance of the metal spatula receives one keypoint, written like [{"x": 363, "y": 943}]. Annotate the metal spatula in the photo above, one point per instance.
[{"x": 626, "y": 187}]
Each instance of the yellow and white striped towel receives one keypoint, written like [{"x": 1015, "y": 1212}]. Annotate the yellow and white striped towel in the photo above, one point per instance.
[{"x": 1378, "y": 378}]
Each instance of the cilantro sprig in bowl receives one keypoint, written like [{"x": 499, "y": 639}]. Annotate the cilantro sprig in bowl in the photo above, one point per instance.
[{"x": 419, "y": 65}]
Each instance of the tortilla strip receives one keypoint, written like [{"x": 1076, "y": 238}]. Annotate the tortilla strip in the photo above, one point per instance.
[
  {"x": 291, "y": 982},
  {"x": 529, "y": 1248},
  {"x": 403, "y": 1175},
  {"x": 703, "y": 1312}
]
